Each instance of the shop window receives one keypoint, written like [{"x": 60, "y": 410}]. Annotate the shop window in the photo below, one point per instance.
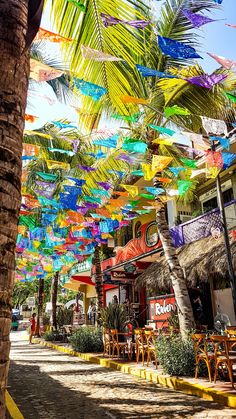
[
  {"x": 151, "y": 236},
  {"x": 137, "y": 230},
  {"x": 212, "y": 203},
  {"x": 127, "y": 234}
]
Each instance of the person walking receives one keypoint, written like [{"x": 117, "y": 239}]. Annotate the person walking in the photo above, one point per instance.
[{"x": 32, "y": 327}]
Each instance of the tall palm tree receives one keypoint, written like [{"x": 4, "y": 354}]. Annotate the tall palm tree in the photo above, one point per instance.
[
  {"x": 173, "y": 24},
  {"x": 21, "y": 18}
]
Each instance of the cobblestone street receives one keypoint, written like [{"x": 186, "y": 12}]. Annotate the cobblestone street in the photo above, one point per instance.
[{"x": 50, "y": 385}]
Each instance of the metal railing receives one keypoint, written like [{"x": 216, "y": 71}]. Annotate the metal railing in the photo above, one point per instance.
[{"x": 203, "y": 226}]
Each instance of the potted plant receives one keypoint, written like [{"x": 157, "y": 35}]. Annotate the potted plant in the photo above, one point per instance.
[{"x": 114, "y": 317}]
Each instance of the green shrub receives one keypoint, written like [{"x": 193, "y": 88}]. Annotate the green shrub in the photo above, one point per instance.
[
  {"x": 46, "y": 319},
  {"x": 53, "y": 336},
  {"x": 114, "y": 317},
  {"x": 87, "y": 339},
  {"x": 175, "y": 355},
  {"x": 64, "y": 316}
]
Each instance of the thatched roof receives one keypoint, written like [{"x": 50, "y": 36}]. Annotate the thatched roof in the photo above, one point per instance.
[{"x": 200, "y": 260}]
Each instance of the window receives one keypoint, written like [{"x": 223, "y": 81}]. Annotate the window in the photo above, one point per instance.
[
  {"x": 151, "y": 236},
  {"x": 137, "y": 230},
  {"x": 212, "y": 203}
]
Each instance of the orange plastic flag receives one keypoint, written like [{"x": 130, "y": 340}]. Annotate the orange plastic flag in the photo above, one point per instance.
[
  {"x": 121, "y": 193},
  {"x": 102, "y": 211},
  {"x": 30, "y": 118},
  {"x": 164, "y": 179},
  {"x": 51, "y": 36},
  {"x": 160, "y": 162},
  {"x": 30, "y": 149},
  {"x": 132, "y": 99}
]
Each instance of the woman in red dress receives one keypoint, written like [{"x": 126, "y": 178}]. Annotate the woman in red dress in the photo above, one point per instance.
[{"x": 32, "y": 327}]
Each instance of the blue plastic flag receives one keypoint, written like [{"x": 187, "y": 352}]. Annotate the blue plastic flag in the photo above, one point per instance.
[
  {"x": 73, "y": 190},
  {"x": 228, "y": 159},
  {"x": 89, "y": 89},
  {"x": 63, "y": 126},
  {"x": 224, "y": 142},
  {"x": 78, "y": 182},
  {"x": 176, "y": 49},
  {"x": 149, "y": 72},
  {"x": 99, "y": 192},
  {"x": 154, "y": 191},
  {"x": 110, "y": 142},
  {"x": 176, "y": 170}
]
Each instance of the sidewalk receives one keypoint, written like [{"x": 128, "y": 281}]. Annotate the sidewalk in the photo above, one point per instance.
[
  {"x": 48, "y": 384},
  {"x": 221, "y": 392}
]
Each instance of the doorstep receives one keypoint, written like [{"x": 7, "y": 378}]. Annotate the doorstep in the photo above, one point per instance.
[{"x": 221, "y": 392}]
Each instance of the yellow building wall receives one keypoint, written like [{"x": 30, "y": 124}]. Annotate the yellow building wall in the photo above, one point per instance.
[{"x": 144, "y": 219}]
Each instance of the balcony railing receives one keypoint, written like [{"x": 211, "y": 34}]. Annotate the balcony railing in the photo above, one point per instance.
[{"x": 203, "y": 226}]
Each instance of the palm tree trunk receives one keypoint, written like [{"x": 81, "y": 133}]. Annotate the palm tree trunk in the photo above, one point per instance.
[
  {"x": 54, "y": 299},
  {"x": 40, "y": 305},
  {"x": 14, "y": 70},
  {"x": 184, "y": 307},
  {"x": 98, "y": 281}
]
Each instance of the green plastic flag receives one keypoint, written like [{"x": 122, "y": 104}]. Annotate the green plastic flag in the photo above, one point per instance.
[
  {"x": 183, "y": 186},
  {"x": 47, "y": 176},
  {"x": 189, "y": 163},
  {"x": 147, "y": 196},
  {"x": 175, "y": 110},
  {"x": 163, "y": 130},
  {"x": 231, "y": 97},
  {"x": 129, "y": 118}
]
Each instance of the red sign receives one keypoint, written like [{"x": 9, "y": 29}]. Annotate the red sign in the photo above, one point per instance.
[{"x": 160, "y": 308}]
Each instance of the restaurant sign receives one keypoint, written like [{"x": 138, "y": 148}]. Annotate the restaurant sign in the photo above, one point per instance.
[{"x": 160, "y": 308}]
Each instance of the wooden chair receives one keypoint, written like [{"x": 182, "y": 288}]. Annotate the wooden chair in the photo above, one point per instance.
[
  {"x": 222, "y": 357},
  {"x": 140, "y": 344},
  {"x": 151, "y": 348},
  {"x": 107, "y": 342},
  {"x": 119, "y": 347},
  {"x": 231, "y": 333},
  {"x": 202, "y": 353}
]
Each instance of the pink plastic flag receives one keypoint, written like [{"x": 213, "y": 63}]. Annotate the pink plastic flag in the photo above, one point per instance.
[
  {"x": 95, "y": 55},
  {"x": 224, "y": 62}
]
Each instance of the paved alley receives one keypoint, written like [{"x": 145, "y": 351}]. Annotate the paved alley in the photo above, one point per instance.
[{"x": 50, "y": 385}]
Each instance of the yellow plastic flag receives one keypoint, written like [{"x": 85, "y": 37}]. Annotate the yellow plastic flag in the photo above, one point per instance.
[
  {"x": 36, "y": 243},
  {"x": 212, "y": 172},
  {"x": 160, "y": 162},
  {"x": 117, "y": 217},
  {"x": 53, "y": 164},
  {"x": 132, "y": 189},
  {"x": 163, "y": 141},
  {"x": 147, "y": 171}
]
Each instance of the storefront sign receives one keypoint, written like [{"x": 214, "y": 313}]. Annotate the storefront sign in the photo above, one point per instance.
[{"x": 160, "y": 308}]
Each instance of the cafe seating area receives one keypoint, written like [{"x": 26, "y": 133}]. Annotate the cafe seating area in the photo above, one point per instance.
[
  {"x": 218, "y": 352},
  {"x": 138, "y": 345}
]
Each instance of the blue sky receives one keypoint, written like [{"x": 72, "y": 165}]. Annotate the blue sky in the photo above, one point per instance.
[{"x": 216, "y": 38}]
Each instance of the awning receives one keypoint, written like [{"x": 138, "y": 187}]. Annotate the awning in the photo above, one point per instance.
[{"x": 202, "y": 260}]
